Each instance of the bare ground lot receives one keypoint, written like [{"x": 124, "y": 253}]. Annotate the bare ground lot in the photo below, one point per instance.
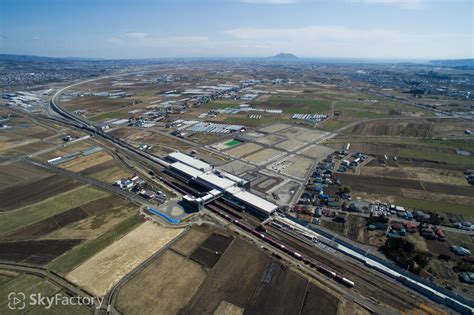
[
  {"x": 170, "y": 282},
  {"x": 290, "y": 145},
  {"x": 269, "y": 139},
  {"x": 263, "y": 156},
  {"x": 302, "y": 134},
  {"x": 244, "y": 149},
  {"x": 25, "y": 194},
  {"x": 35, "y": 252},
  {"x": 237, "y": 167},
  {"x": 299, "y": 167},
  {"x": 105, "y": 268},
  {"x": 274, "y": 128},
  {"x": 316, "y": 151}
]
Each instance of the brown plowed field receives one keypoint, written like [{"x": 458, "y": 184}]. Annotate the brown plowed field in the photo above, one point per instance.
[
  {"x": 248, "y": 279},
  {"x": 380, "y": 185},
  {"x": 99, "y": 167},
  {"x": 55, "y": 222},
  {"x": 35, "y": 252},
  {"x": 450, "y": 189},
  {"x": 22, "y": 195}
]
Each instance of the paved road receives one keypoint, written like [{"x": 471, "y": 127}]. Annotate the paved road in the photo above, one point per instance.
[
  {"x": 89, "y": 181},
  {"x": 112, "y": 295},
  {"x": 53, "y": 277}
]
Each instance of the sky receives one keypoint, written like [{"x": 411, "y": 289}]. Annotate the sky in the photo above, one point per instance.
[{"x": 390, "y": 29}]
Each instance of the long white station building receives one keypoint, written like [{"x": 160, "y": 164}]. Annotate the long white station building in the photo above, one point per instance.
[{"x": 219, "y": 184}]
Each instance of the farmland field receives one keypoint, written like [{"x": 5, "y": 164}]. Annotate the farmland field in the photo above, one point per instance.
[
  {"x": 192, "y": 239},
  {"x": 266, "y": 288},
  {"x": 297, "y": 105},
  {"x": 35, "y": 252},
  {"x": 171, "y": 279},
  {"x": 27, "y": 194},
  {"x": 101, "y": 271},
  {"x": 16, "y": 219},
  {"x": 75, "y": 257}
]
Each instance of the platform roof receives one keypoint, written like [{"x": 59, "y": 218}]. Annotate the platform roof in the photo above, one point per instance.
[
  {"x": 214, "y": 180},
  {"x": 186, "y": 169},
  {"x": 190, "y": 161},
  {"x": 256, "y": 201}
]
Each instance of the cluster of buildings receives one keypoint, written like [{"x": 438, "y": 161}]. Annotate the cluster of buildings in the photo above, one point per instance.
[
  {"x": 314, "y": 118},
  {"x": 216, "y": 184},
  {"x": 26, "y": 100},
  {"x": 138, "y": 186},
  {"x": 199, "y": 126}
]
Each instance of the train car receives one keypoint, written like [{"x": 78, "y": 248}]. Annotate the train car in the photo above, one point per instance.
[
  {"x": 277, "y": 225},
  {"x": 327, "y": 272},
  {"x": 297, "y": 256},
  {"x": 348, "y": 282},
  {"x": 344, "y": 281}
]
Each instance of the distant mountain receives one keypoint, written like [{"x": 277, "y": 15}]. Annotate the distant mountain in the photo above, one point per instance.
[
  {"x": 454, "y": 63},
  {"x": 33, "y": 58},
  {"x": 285, "y": 56}
]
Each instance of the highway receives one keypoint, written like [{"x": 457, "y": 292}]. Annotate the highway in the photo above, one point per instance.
[{"x": 81, "y": 123}]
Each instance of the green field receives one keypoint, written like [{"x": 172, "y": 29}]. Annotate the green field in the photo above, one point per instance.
[
  {"x": 332, "y": 125},
  {"x": 16, "y": 219},
  {"x": 435, "y": 206},
  {"x": 297, "y": 105},
  {"x": 233, "y": 143},
  {"x": 451, "y": 159},
  {"x": 26, "y": 284},
  {"x": 73, "y": 258},
  {"x": 221, "y": 105}
]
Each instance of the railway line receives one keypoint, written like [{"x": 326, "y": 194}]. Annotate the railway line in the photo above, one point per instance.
[
  {"x": 376, "y": 286},
  {"x": 287, "y": 250},
  {"x": 387, "y": 292}
]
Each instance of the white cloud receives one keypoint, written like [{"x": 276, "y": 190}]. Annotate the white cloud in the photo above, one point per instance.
[
  {"x": 306, "y": 41},
  {"x": 157, "y": 42},
  {"x": 313, "y": 33},
  {"x": 270, "y": 1},
  {"x": 339, "y": 41},
  {"x": 137, "y": 35},
  {"x": 404, "y": 4}
]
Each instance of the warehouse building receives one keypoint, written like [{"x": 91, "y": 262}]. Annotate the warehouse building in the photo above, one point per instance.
[{"x": 219, "y": 184}]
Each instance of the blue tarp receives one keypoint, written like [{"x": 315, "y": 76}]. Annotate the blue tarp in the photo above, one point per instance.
[{"x": 164, "y": 216}]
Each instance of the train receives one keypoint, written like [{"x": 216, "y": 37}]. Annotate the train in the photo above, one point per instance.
[{"x": 287, "y": 250}]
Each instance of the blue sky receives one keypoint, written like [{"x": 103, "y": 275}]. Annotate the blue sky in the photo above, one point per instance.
[{"x": 394, "y": 29}]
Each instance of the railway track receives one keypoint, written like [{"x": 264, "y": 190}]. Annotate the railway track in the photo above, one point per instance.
[{"x": 373, "y": 285}]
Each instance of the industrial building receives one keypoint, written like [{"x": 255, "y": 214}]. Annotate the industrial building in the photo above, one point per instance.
[{"x": 217, "y": 184}]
